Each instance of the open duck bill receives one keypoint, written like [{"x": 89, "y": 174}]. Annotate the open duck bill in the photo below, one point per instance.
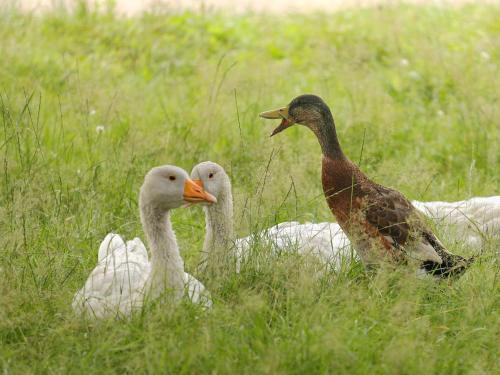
[
  {"x": 194, "y": 193},
  {"x": 282, "y": 113}
]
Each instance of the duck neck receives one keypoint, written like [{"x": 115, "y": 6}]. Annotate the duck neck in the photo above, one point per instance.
[
  {"x": 167, "y": 266},
  {"x": 325, "y": 131},
  {"x": 219, "y": 228}
]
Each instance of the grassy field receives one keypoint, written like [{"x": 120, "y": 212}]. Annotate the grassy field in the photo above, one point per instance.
[{"x": 88, "y": 103}]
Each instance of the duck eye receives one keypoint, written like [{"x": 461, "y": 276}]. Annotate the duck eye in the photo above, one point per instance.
[
  {"x": 210, "y": 175},
  {"x": 171, "y": 178}
]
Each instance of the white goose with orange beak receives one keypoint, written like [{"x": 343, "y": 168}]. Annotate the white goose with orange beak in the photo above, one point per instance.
[{"x": 125, "y": 276}]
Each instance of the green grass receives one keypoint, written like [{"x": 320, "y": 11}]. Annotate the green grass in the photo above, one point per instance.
[{"x": 180, "y": 89}]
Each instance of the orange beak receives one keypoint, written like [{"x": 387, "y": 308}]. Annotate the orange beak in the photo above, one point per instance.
[{"x": 194, "y": 193}]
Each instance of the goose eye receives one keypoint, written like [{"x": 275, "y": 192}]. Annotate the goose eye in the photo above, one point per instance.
[
  {"x": 210, "y": 175},
  {"x": 171, "y": 178}
]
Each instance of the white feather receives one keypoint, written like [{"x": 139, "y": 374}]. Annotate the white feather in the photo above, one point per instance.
[
  {"x": 471, "y": 220},
  {"x": 118, "y": 284},
  {"x": 125, "y": 276},
  {"x": 326, "y": 241}
]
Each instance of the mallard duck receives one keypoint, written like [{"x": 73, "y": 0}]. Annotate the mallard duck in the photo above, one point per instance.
[
  {"x": 380, "y": 222},
  {"x": 124, "y": 276}
]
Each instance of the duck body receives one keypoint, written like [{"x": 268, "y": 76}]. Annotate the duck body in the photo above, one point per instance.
[
  {"x": 355, "y": 201},
  {"x": 380, "y": 222}
]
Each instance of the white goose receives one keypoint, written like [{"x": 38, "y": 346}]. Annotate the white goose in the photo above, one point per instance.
[
  {"x": 124, "y": 277},
  {"x": 474, "y": 219}
]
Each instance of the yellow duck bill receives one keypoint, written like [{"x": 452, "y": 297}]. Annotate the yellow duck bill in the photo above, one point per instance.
[{"x": 281, "y": 113}]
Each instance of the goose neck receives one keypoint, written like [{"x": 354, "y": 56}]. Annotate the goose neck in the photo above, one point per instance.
[
  {"x": 219, "y": 221},
  {"x": 167, "y": 266}
]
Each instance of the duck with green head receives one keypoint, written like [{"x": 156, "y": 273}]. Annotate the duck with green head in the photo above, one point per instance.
[{"x": 380, "y": 222}]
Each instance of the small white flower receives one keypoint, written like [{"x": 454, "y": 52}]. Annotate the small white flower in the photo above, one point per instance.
[
  {"x": 485, "y": 55},
  {"x": 414, "y": 75},
  {"x": 440, "y": 113},
  {"x": 99, "y": 128},
  {"x": 404, "y": 62},
  {"x": 78, "y": 172},
  {"x": 92, "y": 112}
]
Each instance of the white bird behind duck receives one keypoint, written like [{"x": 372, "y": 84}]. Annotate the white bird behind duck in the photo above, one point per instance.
[
  {"x": 125, "y": 277},
  {"x": 474, "y": 219}
]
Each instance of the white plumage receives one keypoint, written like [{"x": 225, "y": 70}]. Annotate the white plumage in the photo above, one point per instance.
[
  {"x": 118, "y": 282},
  {"x": 117, "y": 285},
  {"x": 471, "y": 220},
  {"x": 327, "y": 241},
  {"x": 125, "y": 277}
]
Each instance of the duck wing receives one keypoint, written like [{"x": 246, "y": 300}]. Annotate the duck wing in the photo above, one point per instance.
[
  {"x": 397, "y": 220},
  {"x": 390, "y": 213}
]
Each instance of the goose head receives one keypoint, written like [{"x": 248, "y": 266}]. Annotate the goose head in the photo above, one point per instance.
[
  {"x": 308, "y": 110},
  {"x": 212, "y": 178},
  {"x": 169, "y": 187}
]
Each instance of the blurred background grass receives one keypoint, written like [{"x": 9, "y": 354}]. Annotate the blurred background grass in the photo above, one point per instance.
[{"x": 90, "y": 102}]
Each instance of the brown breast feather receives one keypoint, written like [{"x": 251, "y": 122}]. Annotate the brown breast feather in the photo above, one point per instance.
[{"x": 359, "y": 204}]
